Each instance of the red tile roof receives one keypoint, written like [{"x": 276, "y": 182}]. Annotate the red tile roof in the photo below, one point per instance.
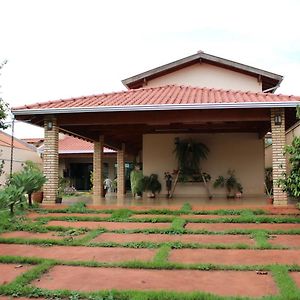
[
  {"x": 70, "y": 144},
  {"x": 169, "y": 94},
  {"x": 5, "y": 141}
]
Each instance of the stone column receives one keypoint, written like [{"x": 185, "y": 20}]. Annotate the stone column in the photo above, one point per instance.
[
  {"x": 278, "y": 157},
  {"x": 121, "y": 172},
  {"x": 97, "y": 169},
  {"x": 50, "y": 159}
]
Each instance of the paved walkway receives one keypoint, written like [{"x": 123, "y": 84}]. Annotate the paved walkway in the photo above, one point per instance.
[{"x": 143, "y": 261}]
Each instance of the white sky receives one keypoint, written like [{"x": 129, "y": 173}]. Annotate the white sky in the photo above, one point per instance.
[{"x": 69, "y": 48}]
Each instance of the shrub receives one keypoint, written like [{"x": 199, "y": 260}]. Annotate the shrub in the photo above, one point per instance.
[
  {"x": 30, "y": 180},
  {"x": 11, "y": 196}
]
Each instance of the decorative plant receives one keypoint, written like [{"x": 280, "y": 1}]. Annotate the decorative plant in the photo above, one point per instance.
[
  {"x": 30, "y": 180},
  {"x": 291, "y": 183},
  {"x": 189, "y": 154},
  {"x": 136, "y": 181},
  {"x": 11, "y": 196},
  {"x": 230, "y": 183},
  {"x": 151, "y": 183}
]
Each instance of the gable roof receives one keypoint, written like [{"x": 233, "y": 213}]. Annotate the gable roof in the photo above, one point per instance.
[
  {"x": 168, "y": 97},
  {"x": 5, "y": 141},
  {"x": 269, "y": 80}
]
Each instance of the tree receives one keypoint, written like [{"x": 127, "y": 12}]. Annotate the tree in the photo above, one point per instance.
[
  {"x": 3, "y": 105},
  {"x": 291, "y": 183}
]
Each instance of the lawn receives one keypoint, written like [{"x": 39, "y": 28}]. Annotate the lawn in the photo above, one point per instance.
[{"x": 116, "y": 253}]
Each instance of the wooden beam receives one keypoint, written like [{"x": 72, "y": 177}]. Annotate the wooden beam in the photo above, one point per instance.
[{"x": 165, "y": 117}]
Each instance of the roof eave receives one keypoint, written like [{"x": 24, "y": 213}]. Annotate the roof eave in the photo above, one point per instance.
[{"x": 161, "y": 107}]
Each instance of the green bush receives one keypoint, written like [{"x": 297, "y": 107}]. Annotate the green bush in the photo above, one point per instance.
[
  {"x": 12, "y": 196},
  {"x": 291, "y": 183},
  {"x": 30, "y": 180}
]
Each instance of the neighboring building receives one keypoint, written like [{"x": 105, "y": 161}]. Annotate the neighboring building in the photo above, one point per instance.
[
  {"x": 226, "y": 105},
  {"x": 21, "y": 153},
  {"x": 76, "y": 160}
]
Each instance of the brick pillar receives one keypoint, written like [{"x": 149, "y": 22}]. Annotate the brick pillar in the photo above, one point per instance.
[
  {"x": 121, "y": 172},
  {"x": 278, "y": 157},
  {"x": 97, "y": 169},
  {"x": 50, "y": 159}
]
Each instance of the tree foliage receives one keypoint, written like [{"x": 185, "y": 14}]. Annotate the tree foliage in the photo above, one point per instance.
[
  {"x": 291, "y": 183},
  {"x": 3, "y": 105}
]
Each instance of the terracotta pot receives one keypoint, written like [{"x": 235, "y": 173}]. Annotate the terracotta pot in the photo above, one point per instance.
[
  {"x": 270, "y": 200},
  {"x": 37, "y": 197}
]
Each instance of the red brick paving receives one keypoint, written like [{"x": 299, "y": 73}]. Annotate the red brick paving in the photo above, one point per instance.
[
  {"x": 78, "y": 253},
  {"x": 288, "y": 240},
  {"x": 235, "y": 256},
  {"x": 205, "y": 217},
  {"x": 184, "y": 238},
  {"x": 109, "y": 225},
  {"x": 231, "y": 226},
  {"x": 296, "y": 278},
  {"x": 36, "y": 235},
  {"x": 37, "y": 215},
  {"x": 92, "y": 279},
  {"x": 10, "y": 271}
]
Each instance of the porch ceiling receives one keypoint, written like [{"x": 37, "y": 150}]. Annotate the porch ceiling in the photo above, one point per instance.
[{"x": 128, "y": 127}]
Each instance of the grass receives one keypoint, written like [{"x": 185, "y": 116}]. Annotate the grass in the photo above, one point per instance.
[{"x": 21, "y": 285}]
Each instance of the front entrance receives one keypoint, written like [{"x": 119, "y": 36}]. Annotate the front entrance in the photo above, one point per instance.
[{"x": 80, "y": 175}]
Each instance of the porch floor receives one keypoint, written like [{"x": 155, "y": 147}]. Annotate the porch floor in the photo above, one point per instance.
[{"x": 176, "y": 202}]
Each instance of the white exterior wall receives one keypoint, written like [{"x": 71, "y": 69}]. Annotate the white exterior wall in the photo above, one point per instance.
[
  {"x": 206, "y": 75},
  {"x": 243, "y": 152}
]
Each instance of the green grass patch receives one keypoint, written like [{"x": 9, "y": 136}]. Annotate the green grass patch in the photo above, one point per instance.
[
  {"x": 261, "y": 239},
  {"x": 178, "y": 225},
  {"x": 186, "y": 207},
  {"x": 285, "y": 283},
  {"x": 121, "y": 214}
]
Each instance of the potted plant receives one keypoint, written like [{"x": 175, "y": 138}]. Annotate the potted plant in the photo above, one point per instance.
[
  {"x": 230, "y": 183},
  {"x": 136, "y": 181},
  {"x": 152, "y": 185},
  {"x": 37, "y": 197},
  {"x": 189, "y": 154}
]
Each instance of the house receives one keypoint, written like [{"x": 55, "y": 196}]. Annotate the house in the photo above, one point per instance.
[
  {"x": 227, "y": 105},
  {"x": 14, "y": 157}
]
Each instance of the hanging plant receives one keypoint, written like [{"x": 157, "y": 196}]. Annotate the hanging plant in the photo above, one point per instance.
[{"x": 189, "y": 154}]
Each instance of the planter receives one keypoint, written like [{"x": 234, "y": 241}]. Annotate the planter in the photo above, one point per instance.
[
  {"x": 58, "y": 200},
  {"x": 270, "y": 200},
  {"x": 37, "y": 197}
]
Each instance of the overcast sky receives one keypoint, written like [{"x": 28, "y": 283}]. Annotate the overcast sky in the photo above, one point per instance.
[{"x": 69, "y": 48}]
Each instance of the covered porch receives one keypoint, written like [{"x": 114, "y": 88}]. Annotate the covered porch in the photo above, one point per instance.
[{"x": 233, "y": 130}]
